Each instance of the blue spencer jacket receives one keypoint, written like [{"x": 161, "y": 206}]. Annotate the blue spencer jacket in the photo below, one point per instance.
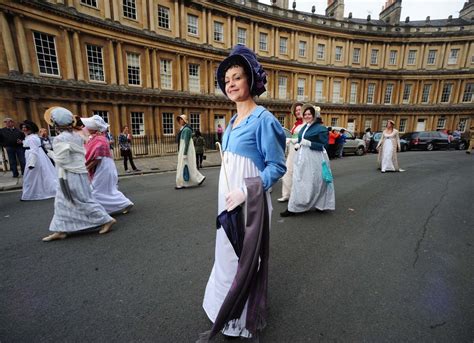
[
  {"x": 317, "y": 134},
  {"x": 261, "y": 138}
]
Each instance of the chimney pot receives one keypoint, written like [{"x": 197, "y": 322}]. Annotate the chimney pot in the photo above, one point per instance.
[
  {"x": 407, "y": 19},
  {"x": 368, "y": 18},
  {"x": 350, "y": 15},
  {"x": 313, "y": 9},
  {"x": 428, "y": 19}
]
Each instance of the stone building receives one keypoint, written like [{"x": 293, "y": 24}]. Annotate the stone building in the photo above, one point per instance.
[{"x": 143, "y": 62}]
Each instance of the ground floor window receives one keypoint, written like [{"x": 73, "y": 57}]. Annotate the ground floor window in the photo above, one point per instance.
[
  {"x": 103, "y": 114},
  {"x": 334, "y": 121},
  {"x": 167, "y": 123},
  {"x": 441, "y": 124},
  {"x": 462, "y": 124},
  {"x": 403, "y": 125},
  {"x": 195, "y": 121},
  {"x": 368, "y": 124},
  {"x": 138, "y": 123},
  {"x": 281, "y": 119}
]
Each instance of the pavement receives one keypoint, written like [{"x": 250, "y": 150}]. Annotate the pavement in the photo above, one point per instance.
[{"x": 147, "y": 165}]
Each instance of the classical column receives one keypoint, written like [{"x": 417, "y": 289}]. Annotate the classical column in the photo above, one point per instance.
[
  {"x": 422, "y": 57},
  {"x": 69, "y": 61},
  {"x": 115, "y": 116},
  {"x": 210, "y": 38},
  {"x": 21, "y": 108},
  {"x": 8, "y": 44},
  {"x": 234, "y": 31},
  {"x": 84, "y": 110},
  {"x": 273, "y": 42},
  {"x": 35, "y": 117},
  {"x": 156, "y": 68},
  {"x": 184, "y": 74},
  {"x": 206, "y": 80},
  {"x": 330, "y": 52},
  {"x": 184, "y": 20},
  {"x": 152, "y": 15},
  {"x": 78, "y": 56},
  {"x": 465, "y": 61},
  {"x": 157, "y": 121},
  {"x": 113, "y": 73},
  {"x": 179, "y": 81},
  {"x": 116, "y": 10},
  {"x": 21, "y": 39},
  {"x": 364, "y": 56},
  {"x": 447, "y": 49},
  {"x": 229, "y": 32},
  {"x": 177, "y": 19},
  {"x": 292, "y": 45},
  {"x": 120, "y": 69},
  {"x": 147, "y": 69},
  {"x": 402, "y": 56},
  {"x": 204, "y": 26},
  {"x": 107, "y": 10},
  {"x": 123, "y": 116}
]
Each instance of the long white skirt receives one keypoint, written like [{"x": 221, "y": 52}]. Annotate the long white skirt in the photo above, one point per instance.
[
  {"x": 287, "y": 179},
  {"x": 41, "y": 182},
  {"x": 309, "y": 190},
  {"x": 387, "y": 158},
  {"x": 195, "y": 177},
  {"x": 104, "y": 187},
  {"x": 226, "y": 261}
]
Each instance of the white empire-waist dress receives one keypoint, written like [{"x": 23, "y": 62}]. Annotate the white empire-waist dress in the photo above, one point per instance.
[{"x": 40, "y": 182}]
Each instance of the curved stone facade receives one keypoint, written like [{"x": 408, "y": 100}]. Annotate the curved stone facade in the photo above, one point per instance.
[{"x": 142, "y": 62}]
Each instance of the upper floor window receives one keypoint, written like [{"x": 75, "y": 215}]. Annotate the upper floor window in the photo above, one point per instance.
[
  {"x": 302, "y": 49},
  {"x": 194, "y": 80},
  {"x": 392, "y": 60},
  {"x": 370, "y": 93},
  {"x": 334, "y": 121},
  {"x": 446, "y": 93},
  {"x": 425, "y": 94},
  {"x": 133, "y": 68},
  {"x": 283, "y": 45},
  {"x": 129, "y": 9},
  {"x": 356, "y": 55},
  {"x": 195, "y": 121},
  {"x": 336, "y": 92},
  {"x": 167, "y": 123},
  {"x": 338, "y": 56},
  {"x": 241, "y": 36},
  {"x": 411, "y": 57},
  {"x": 431, "y": 57},
  {"x": 453, "y": 56},
  {"x": 300, "y": 90},
  {"x": 166, "y": 74},
  {"x": 388, "y": 94},
  {"x": 374, "y": 56},
  {"x": 218, "y": 31},
  {"x": 468, "y": 90},
  {"x": 95, "y": 63},
  {"x": 319, "y": 90},
  {"x": 92, "y": 3},
  {"x": 46, "y": 54},
  {"x": 193, "y": 24},
  {"x": 353, "y": 95},
  {"x": 407, "y": 93},
  {"x": 321, "y": 50},
  {"x": 138, "y": 123},
  {"x": 282, "y": 87},
  {"x": 263, "y": 41},
  {"x": 163, "y": 17}
]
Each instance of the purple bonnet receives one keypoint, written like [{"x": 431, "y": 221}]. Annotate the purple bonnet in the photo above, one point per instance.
[{"x": 253, "y": 69}]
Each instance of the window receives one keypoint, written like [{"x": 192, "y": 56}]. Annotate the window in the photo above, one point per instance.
[
  {"x": 302, "y": 49},
  {"x": 370, "y": 93},
  {"x": 453, "y": 56},
  {"x": 192, "y": 24},
  {"x": 319, "y": 90},
  {"x": 133, "y": 66},
  {"x": 92, "y": 3},
  {"x": 392, "y": 60},
  {"x": 242, "y": 36},
  {"x": 468, "y": 90},
  {"x": 138, "y": 123},
  {"x": 411, "y": 57},
  {"x": 103, "y": 114},
  {"x": 218, "y": 31},
  {"x": 167, "y": 123},
  {"x": 46, "y": 54},
  {"x": 166, "y": 74},
  {"x": 300, "y": 90},
  {"x": 353, "y": 96},
  {"x": 403, "y": 125},
  {"x": 336, "y": 92},
  {"x": 338, "y": 53},
  {"x": 282, "y": 87},
  {"x": 356, "y": 55},
  {"x": 431, "y": 57},
  {"x": 368, "y": 124},
  {"x": 163, "y": 17},
  {"x": 446, "y": 94},
  {"x": 374, "y": 56},
  {"x": 462, "y": 124},
  {"x": 320, "y": 51},
  {"x": 441, "y": 124},
  {"x": 283, "y": 45},
  {"x": 195, "y": 121},
  {"x": 425, "y": 95},
  {"x": 388, "y": 94},
  {"x": 334, "y": 121},
  {"x": 383, "y": 124},
  {"x": 217, "y": 89},
  {"x": 95, "y": 63},
  {"x": 130, "y": 9},
  {"x": 407, "y": 93},
  {"x": 263, "y": 41},
  {"x": 194, "y": 82},
  {"x": 281, "y": 119}
]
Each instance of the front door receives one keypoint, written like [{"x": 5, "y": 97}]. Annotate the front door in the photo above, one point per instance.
[{"x": 420, "y": 125}]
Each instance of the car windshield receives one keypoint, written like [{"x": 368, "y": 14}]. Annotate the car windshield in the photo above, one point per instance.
[{"x": 377, "y": 136}]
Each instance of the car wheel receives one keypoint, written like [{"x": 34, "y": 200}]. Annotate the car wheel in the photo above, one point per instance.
[
  {"x": 429, "y": 146},
  {"x": 360, "y": 151},
  {"x": 462, "y": 146}
]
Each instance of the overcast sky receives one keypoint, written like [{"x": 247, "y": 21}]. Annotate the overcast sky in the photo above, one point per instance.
[{"x": 415, "y": 9}]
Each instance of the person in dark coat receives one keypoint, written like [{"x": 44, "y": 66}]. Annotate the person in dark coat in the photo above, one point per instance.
[{"x": 12, "y": 139}]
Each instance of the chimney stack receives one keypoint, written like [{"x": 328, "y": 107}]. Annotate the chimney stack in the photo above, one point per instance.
[
  {"x": 281, "y": 3},
  {"x": 391, "y": 12},
  {"x": 467, "y": 11},
  {"x": 335, "y": 9}
]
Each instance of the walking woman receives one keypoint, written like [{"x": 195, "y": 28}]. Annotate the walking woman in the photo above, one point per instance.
[
  {"x": 40, "y": 180},
  {"x": 253, "y": 160},
  {"x": 125, "y": 140},
  {"x": 199, "y": 144},
  {"x": 101, "y": 168},
  {"x": 388, "y": 146},
  {"x": 75, "y": 209},
  {"x": 287, "y": 179},
  {"x": 312, "y": 178}
]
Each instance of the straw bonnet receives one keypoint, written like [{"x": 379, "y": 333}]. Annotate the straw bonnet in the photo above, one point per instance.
[
  {"x": 58, "y": 116},
  {"x": 184, "y": 117}
]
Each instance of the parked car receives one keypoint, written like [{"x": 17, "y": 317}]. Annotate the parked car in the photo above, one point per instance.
[
  {"x": 457, "y": 143},
  {"x": 353, "y": 145},
  {"x": 376, "y": 138},
  {"x": 426, "y": 140}
]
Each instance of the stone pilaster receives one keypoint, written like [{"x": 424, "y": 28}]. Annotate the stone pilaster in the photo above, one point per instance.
[
  {"x": 69, "y": 62},
  {"x": 22, "y": 45},
  {"x": 120, "y": 67},
  {"x": 112, "y": 70},
  {"x": 8, "y": 44},
  {"x": 78, "y": 56}
]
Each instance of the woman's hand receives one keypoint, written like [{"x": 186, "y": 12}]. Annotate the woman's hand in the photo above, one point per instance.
[
  {"x": 234, "y": 199},
  {"x": 305, "y": 142},
  {"x": 297, "y": 146}
]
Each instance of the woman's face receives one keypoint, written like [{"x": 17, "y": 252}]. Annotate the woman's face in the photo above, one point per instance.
[
  {"x": 25, "y": 130},
  {"x": 298, "y": 112},
  {"x": 125, "y": 129},
  {"x": 236, "y": 85},
  {"x": 389, "y": 125},
  {"x": 43, "y": 132},
  {"x": 308, "y": 116}
]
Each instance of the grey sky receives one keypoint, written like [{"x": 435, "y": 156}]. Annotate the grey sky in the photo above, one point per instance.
[{"x": 415, "y": 9}]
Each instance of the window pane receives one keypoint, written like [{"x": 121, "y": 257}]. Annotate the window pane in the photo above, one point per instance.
[
  {"x": 130, "y": 9},
  {"x": 46, "y": 54},
  {"x": 192, "y": 24},
  {"x": 95, "y": 63},
  {"x": 138, "y": 123},
  {"x": 166, "y": 74},
  {"x": 168, "y": 123},
  {"x": 163, "y": 17},
  {"x": 133, "y": 67}
]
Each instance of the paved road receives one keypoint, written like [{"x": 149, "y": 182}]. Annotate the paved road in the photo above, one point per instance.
[{"x": 392, "y": 263}]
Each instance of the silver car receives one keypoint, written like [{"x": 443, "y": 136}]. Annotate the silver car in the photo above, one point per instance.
[{"x": 353, "y": 145}]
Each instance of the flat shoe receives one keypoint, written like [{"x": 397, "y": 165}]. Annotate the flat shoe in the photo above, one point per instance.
[
  {"x": 107, "y": 226},
  {"x": 287, "y": 214},
  {"x": 127, "y": 209},
  {"x": 200, "y": 183},
  {"x": 282, "y": 199},
  {"x": 54, "y": 236}
]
